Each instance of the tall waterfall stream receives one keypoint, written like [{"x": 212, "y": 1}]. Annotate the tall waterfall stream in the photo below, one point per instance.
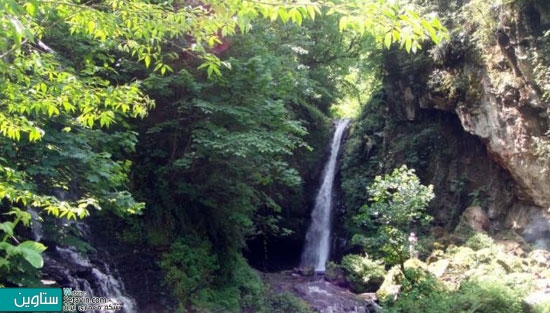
[{"x": 317, "y": 245}]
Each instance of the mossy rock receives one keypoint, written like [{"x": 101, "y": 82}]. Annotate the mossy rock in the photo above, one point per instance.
[
  {"x": 463, "y": 258},
  {"x": 363, "y": 273},
  {"x": 439, "y": 267},
  {"x": 416, "y": 264},
  {"x": 435, "y": 256},
  {"x": 391, "y": 285},
  {"x": 485, "y": 255},
  {"x": 507, "y": 267},
  {"x": 483, "y": 271},
  {"x": 463, "y": 230}
]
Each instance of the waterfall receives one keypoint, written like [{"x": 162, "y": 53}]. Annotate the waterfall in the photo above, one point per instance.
[
  {"x": 36, "y": 225},
  {"x": 87, "y": 272},
  {"x": 100, "y": 279},
  {"x": 317, "y": 245}
]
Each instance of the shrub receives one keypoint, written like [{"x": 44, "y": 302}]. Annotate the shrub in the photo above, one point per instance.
[
  {"x": 428, "y": 296},
  {"x": 248, "y": 284},
  {"x": 487, "y": 297},
  {"x": 397, "y": 203},
  {"x": 542, "y": 307},
  {"x": 363, "y": 273},
  {"x": 189, "y": 269},
  {"x": 286, "y": 302},
  {"x": 480, "y": 241}
]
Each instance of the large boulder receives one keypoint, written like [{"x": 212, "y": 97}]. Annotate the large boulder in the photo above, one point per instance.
[{"x": 477, "y": 219}]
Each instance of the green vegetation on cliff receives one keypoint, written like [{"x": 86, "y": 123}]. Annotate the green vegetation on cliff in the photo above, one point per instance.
[{"x": 464, "y": 114}]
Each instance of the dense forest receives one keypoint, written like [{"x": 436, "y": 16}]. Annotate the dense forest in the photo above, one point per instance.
[{"x": 167, "y": 154}]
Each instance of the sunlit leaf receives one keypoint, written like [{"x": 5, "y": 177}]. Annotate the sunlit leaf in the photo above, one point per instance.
[
  {"x": 31, "y": 251},
  {"x": 388, "y": 40}
]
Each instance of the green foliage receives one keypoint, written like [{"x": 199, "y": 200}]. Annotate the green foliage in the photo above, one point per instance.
[
  {"x": 479, "y": 241},
  {"x": 66, "y": 174},
  {"x": 363, "y": 273},
  {"x": 189, "y": 269},
  {"x": 455, "y": 85},
  {"x": 425, "y": 295},
  {"x": 286, "y": 302},
  {"x": 484, "y": 280},
  {"x": 237, "y": 288},
  {"x": 200, "y": 278},
  {"x": 482, "y": 18},
  {"x": 540, "y": 69},
  {"x": 543, "y": 307},
  {"x": 488, "y": 297},
  {"x": 15, "y": 257},
  {"x": 358, "y": 157},
  {"x": 389, "y": 22},
  {"x": 481, "y": 297},
  {"x": 398, "y": 201}
]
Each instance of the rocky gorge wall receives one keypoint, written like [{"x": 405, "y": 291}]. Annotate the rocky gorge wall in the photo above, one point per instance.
[{"x": 471, "y": 116}]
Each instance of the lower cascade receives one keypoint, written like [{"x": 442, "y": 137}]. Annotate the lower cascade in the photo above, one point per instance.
[
  {"x": 317, "y": 244},
  {"x": 88, "y": 274}
]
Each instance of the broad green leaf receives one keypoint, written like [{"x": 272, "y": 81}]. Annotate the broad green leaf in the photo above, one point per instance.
[
  {"x": 295, "y": 16},
  {"x": 91, "y": 25},
  {"x": 31, "y": 251},
  {"x": 30, "y": 7},
  {"x": 147, "y": 60},
  {"x": 7, "y": 227},
  {"x": 387, "y": 40},
  {"x": 343, "y": 24},
  {"x": 408, "y": 44},
  {"x": 35, "y": 134},
  {"x": 311, "y": 11},
  {"x": 283, "y": 14},
  {"x": 4, "y": 263}
]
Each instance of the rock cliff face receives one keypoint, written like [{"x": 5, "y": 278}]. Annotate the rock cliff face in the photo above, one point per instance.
[{"x": 495, "y": 89}]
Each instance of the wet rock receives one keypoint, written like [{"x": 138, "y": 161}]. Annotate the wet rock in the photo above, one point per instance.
[
  {"x": 306, "y": 271},
  {"x": 335, "y": 275},
  {"x": 322, "y": 295}
]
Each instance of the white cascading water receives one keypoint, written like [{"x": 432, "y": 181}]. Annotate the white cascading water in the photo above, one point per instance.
[
  {"x": 105, "y": 284},
  {"x": 317, "y": 245},
  {"x": 36, "y": 225},
  {"x": 99, "y": 283}
]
